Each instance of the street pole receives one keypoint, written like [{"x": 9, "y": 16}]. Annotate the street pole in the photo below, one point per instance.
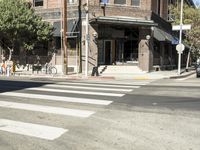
[
  {"x": 80, "y": 35},
  {"x": 65, "y": 62},
  {"x": 180, "y": 38},
  {"x": 86, "y": 39}
]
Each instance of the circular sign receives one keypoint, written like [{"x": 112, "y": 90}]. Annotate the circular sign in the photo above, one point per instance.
[{"x": 180, "y": 47}]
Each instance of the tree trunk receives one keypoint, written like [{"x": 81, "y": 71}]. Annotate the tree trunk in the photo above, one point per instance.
[
  {"x": 188, "y": 59},
  {"x": 10, "y": 54}
]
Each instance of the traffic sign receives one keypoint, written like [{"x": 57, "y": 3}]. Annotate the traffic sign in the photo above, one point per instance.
[
  {"x": 180, "y": 48},
  {"x": 184, "y": 27}
]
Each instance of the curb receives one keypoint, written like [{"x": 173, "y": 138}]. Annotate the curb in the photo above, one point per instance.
[
  {"x": 66, "y": 77},
  {"x": 182, "y": 76}
]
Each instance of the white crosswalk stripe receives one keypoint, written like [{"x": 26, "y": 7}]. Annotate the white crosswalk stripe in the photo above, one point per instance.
[
  {"x": 29, "y": 129},
  {"x": 131, "y": 85},
  {"x": 104, "y": 90},
  {"x": 58, "y": 98},
  {"x": 89, "y": 88},
  {"x": 47, "y": 109},
  {"x": 76, "y": 92}
]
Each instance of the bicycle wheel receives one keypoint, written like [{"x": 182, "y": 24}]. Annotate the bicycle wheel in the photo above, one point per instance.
[{"x": 53, "y": 70}]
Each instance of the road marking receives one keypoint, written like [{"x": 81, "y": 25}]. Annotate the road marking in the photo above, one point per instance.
[
  {"x": 47, "y": 109},
  {"x": 33, "y": 130},
  {"x": 89, "y": 88},
  {"x": 58, "y": 98},
  {"x": 130, "y": 85},
  {"x": 76, "y": 92}
]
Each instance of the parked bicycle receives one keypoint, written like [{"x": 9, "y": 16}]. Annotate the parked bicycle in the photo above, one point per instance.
[{"x": 49, "y": 69}]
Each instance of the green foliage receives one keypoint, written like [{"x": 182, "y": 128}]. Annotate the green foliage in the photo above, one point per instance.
[
  {"x": 191, "y": 16},
  {"x": 19, "y": 24}
]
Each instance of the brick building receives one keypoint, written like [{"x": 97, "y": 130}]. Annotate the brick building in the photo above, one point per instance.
[{"x": 128, "y": 32}]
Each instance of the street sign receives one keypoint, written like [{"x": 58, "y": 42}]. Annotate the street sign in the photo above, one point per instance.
[
  {"x": 180, "y": 48},
  {"x": 184, "y": 27}
]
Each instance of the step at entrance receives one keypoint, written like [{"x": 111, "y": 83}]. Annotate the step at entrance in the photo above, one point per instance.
[{"x": 118, "y": 69}]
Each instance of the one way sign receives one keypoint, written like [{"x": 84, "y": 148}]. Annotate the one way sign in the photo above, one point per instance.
[{"x": 184, "y": 27}]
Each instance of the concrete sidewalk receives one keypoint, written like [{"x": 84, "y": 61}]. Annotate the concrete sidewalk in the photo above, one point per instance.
[{"x": 172, "y": 74}]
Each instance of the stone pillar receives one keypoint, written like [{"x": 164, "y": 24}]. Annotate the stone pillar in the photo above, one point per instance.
[
  {"x": 93, "y": 47},
  {"x": 145, "y": 49}
]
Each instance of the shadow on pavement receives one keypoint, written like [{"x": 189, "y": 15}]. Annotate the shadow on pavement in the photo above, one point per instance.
[{"x": 8, "y": 85}]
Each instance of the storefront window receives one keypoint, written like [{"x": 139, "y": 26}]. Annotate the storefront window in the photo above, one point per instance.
[{"x": 120, "y": 2}]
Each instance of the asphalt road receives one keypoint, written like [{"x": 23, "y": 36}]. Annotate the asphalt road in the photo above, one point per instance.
[{"x": 47, "y": 114}]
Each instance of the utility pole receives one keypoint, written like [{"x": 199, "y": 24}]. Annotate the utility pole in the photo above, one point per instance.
[
  {"x": 180, "y": 38},
  {"x": 80, "y": 35},
  {"x": 86, "y": 38},
  {"x": 65, "y": 56}
]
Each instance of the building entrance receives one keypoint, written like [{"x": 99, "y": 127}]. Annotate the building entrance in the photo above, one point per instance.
[
  {"x": 108, "y": 52},
  {"x": 118, "y": 45}
]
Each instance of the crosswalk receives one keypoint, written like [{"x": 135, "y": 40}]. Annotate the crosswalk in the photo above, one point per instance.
[{"x": 91, "y": 94}]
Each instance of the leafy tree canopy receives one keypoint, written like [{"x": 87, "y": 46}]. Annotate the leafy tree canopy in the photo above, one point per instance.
[
  {"x": 19, "y": 24},
  {"x": 191, "y": 16}
]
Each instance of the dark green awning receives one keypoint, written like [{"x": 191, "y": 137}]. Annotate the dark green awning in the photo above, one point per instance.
[{"x": 161, "y": 35}]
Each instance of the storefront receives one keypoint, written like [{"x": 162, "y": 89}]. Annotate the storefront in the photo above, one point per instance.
[{"x": 119, "y": 39}]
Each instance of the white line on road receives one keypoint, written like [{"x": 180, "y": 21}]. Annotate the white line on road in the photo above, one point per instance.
[
  {"x": 89, "y": 88},
  {"x": 130, "y": 85},
  {"x": 76, "y": 92},
  {"x": 33, "y": 130},
  {"x": 47, "y": 109},
  {"x": 58, "y": 98}
]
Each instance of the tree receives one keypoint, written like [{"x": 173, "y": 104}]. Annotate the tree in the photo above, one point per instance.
[
  {"x": 20, "y": 26},
  {"x": 191, "y": 16}
]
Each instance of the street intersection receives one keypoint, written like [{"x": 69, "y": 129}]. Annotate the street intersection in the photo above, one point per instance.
[{"x": 92, "y": 114}]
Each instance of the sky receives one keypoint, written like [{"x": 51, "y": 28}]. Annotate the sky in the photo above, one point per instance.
[{"x": 196, "y": 1}]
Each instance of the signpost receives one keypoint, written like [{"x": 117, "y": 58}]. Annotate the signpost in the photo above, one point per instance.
[
  {"x": 180, "y": 47},
  {"x": 184, "y": 27}
]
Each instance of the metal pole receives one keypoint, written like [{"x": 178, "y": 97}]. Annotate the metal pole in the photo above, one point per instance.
[
  {"x": 65, "y": 65},
  {"x": 80, "y": 36},
  {"x": 180, "y": 38},
  {"x": 61, "y": 35},
  {"x": 86, "y": 39}
]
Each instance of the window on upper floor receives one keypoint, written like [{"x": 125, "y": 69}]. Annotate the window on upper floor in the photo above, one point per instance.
[
  {"x": 38, "y": 3},
  {"x": 71, "y": 1},
  {"x": 104, "y": 1},
  {"x": 121, "y": 2},
  {"x": 135, "y": 2}
]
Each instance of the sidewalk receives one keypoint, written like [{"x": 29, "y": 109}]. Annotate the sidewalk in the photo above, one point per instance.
[{"x": 172, "y": 74}]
